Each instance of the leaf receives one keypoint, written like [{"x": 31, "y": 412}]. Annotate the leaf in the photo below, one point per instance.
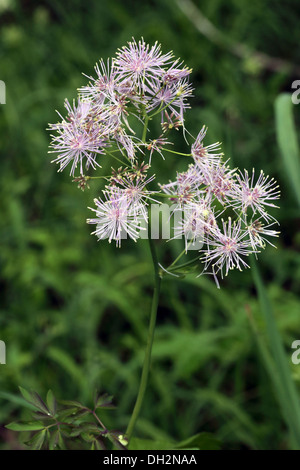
[
  {"x": 104, "y": 401},
  {"x": 67, "y": 413},
  {"x": 99, "y": 445},
  {"x": 53, "y": 441},
  {"x": 116, "y": 442},
  {"x": 40, "y": 403},
  {"x": 72, "y": 403},
  {"x": 39, "y": 415},
  {"x": 287, "y": 140},
  {"x": 35, "y": 399},
  {"x": 87, "y": 437},
  {"x": 283, "y": 383},
  {"x": 87, "y": 428},
  {"x": 27, "y": 395},
  {"x": 30, "y": 426},
  {"x": 37, "y": 440},
  {"x": 81, "y": 413},
  {"x": 17, "y": 400},
  {"x": 51, "y": 402}
]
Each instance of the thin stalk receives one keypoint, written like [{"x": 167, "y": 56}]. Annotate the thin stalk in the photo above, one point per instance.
[
  {"x": 178, "y": 153},
  {"x": 145, "y": 128},
  {"x": 116, "y": 158},
  {"x": 152, "y": 322},
  {"x": 163, "y": 108},
  {"x": 184, "y": 252},
  {"x": 184, "y": 265}
]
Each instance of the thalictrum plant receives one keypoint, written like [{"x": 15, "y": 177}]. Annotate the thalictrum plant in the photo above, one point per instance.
[{"x": 221, "y": 213}]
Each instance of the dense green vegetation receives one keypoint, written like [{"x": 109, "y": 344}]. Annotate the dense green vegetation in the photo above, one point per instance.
[{"x": 74, "y": 312}]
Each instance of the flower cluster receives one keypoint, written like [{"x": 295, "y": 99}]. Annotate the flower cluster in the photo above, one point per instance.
[
  {"x": 225, "y": 209},
  {"x": 138, "y": 82}
]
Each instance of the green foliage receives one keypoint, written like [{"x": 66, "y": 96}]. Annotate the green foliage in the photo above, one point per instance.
[
  {"x": 277, "y": 365},
  {"x": 67, "y": 427}
]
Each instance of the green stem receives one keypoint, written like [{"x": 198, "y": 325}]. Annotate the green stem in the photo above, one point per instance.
[
  {"x": 178, "y": 153},
  {"x": 184, "y": 265},
  {"x": 179, "y": 256},
  {"x": 160, "y": 109},
  {"x": 113, "y": 156},
  {"x": 147, "y": 359},
  {"x": 145, "y": 128}
]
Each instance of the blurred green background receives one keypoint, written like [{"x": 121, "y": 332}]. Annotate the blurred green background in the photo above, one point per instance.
[{"x": 74, "y": 312}]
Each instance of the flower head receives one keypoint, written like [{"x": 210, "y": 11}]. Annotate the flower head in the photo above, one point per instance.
[
  {"x": 256, "y": 195},
  {"x": 141, "y": 64},
  {"x": 198, "y": 220},
  {"x": 226, "y": 248},
  {"x": 258, "y": 233},
  {"x": 116, "y": 217},
  {"x": 205, "y": 156},
  {"x": 127, "y": 94},
  {"x": 77, "y": 139}
]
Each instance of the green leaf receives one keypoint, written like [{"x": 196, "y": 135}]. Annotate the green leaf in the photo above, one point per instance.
[
  {"x": 87, "y": 436},
  {"x": 67, "y": 413},
  {"x": 17, "y": 400},
  {"x": 37, "y": 440},
  {"x": 39, "y": 415},
  {"x": 85, "y": 428},
  {"x": 30, "y": 426},
  {"x": 99, "y": 445},
  {"x": 72, "y": 403},
  {"x": 53, "y": 441},
  {"x": 51, "y": 402},
  {"x": 287, "y": 140},
  {"x": 279, "y": 370},
  {"x": 35, "y": 399},
  {"x": 40, "y": 403},
  {"x": 81, "y": 413},
  {"x": 27, "y": 395},
  {"x": 104, "y": 401}
]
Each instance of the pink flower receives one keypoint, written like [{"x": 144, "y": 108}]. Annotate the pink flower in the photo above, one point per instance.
[
  {"x": 256, "y": 195},
  {"x": 77, "y": 139},
  {"x": 258, "y": 232},
  {"x": 141, "y": 64},
  {"x": 186, "y": 186},
  {"x": 105, "y": 83},
  {"x": 172, "y": 97},
  {"x": 157, "y": 146},
  {"x": 116, "y": 217},
  {"x": 226, "y": 248},
  {"x": 198, "y": 220},
  {"x": 174, "y": 74},
  {"x": 205, "y": 156},
  {"x": 220, "y": 182}
]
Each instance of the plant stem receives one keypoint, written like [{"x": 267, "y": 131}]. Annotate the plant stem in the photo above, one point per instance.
[
  {"x": 188, "y": 263},
  {"x": 178, "y": 153},
  {"x": 147, "y": 359},
  {"x": 144, "y": 136}
]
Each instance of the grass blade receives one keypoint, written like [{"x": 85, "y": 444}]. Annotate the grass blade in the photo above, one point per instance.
[
  {"x": 284, "y": 385},
  {"x": 287, "y": 140}
]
